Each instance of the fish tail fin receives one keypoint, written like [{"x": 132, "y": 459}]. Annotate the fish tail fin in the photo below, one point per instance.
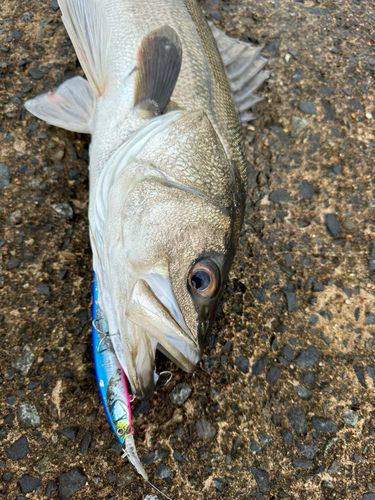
[
  {"x": 88, "y": 28},
  {"x": 70, "y": 107},
  {"x": 243, "y": 67}
]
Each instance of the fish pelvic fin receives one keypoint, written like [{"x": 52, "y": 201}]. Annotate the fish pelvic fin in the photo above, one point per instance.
[
  {"x": 158, "y": 66},
  {"x": 70, "y": 107},
  {"x": 243, "y": 67},
  {"x": 88, "y": 28}
]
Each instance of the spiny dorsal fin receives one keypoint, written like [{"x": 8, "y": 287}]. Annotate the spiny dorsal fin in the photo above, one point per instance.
[
  {"x": 158, "y": 63},
  {"x": 243, "y": 67}
]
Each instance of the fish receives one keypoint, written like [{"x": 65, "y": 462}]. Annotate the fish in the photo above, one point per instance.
[{"x": 164, "y": 100}]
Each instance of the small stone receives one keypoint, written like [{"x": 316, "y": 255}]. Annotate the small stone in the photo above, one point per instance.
[
  {"x": 324, "y": 424},
  {"x": 371, "y": 258},
  {"x": 29, "y": 483},
  {"x": 177, "y": 456},
  {"x": 334, "y": 467},
  {"x": 15, "y": 218},
  {"x": 179, "y": 432},
  {"x": 273, "y": 374},
  {"x": 272, "y": 46},
  {"x": 16, "y": 35},
  {"x": 5, "y": 175},
  {"x": 64, "y": 210},
  {"x": 35, "y": 73},
  {"x": 13, "y": 263},
  {"x": 261, "y": 478},
  {"x": 280, "y": 196},
  {"x": 332, "y": 225},
  {"x": 264, "y": 438},
  {"x": 27, "y": 415},
  {"x": 306, "y": 189},
  {"x": 291, "y": 301},
  {"x": 70, "y": 482},
  {"x": 205, "y": 429},
  {"x": 299, "y": 124},
  {"x": 287, "y": 436},
  {"x": 54, "y": 5},
  {"x": 307, "y": 358},
  {"x": 358, "y": 370},
  {"x": 259, "y": 294},
  {"x": 163, "y": 471},
  {"x": 219, "y": 484},
  {"x": 70, "y": 432},
  {"x": 215, "y": 15},
  {"x": 7, "y": 476},
  {"x": 350, "y": 418},
  {"x": 328, "y": 484},
  {"x": 368, "y": 496},
  {"x": 242, "y": 364},
  {"x": 255, "y": 447},
  {"x": 86, "y": 443},
  {"x": 299, "y": 463},
  {"x": 209, "y": 364},
  {"x": 288, "y": 352},
  {"x": 308, "y": 108},
  {"x": 44, "y": 289},
  {"x": 258, "y": 367},
  {"x": 155, "y": 456},
  {"x": 369, "y": 318},
  {"x": 309, "y": 451},
  {"x": 18, "y": 450},
  {"x": 303, "y": 393},
  {"x": 24, "y": 362},
  {"x": 180, "y": 393},
  {"x": 51, "y": 487},
  {"x": 111, "y": 477},
  {"x": 297, "y": 420}
]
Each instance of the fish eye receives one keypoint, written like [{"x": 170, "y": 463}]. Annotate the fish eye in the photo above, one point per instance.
[
  {"x": 204, "y": 278},
  {"x": 120, "y": 431}
]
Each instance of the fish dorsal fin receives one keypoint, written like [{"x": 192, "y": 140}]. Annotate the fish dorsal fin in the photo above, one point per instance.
[
  {"x": 88, "y": 28},
  {"x": 243, "y": 67},
  {"x": 158, "y": 66},
  {"x": 71, "y": 106}
]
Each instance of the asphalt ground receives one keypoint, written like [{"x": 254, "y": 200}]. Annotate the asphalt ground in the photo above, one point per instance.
[{"x": 282, "y": 404}]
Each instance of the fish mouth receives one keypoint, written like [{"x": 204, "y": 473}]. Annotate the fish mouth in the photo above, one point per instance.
[{"x": 154, "y": 310}]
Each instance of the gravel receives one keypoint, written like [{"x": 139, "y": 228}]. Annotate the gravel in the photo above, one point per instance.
[
  {"x": 19, "y": 449},
  {"x": 155, "y": 456},
  {"x": 27, "y": 415},
  {"x": 258, "y": 367},
  {"x": 297, "y": 420},
  {"x": 63, "y": 210},
  {"x": 280, "y": 195},
  {"x": 350, "y": 418},
  {"x": 242, "y": 364},
  {"x": 332, "y": 225},
  {"x": 324, "y": 424},
  {"x": 36, "y": 74},
  {"x": 28, "y": 483},
  {"x": 309, "y": 451},
  {"x": 273, "y": 374},
  {"x": 180, "y": 393},
  {"x": 264, "y": 438},
  {"x": 300, "y": 463},
  {"x": 205, "y": 429},
  {"x": 70, "y": 432},
  {"x": 24, "y": 362},
  {"x": 306, "y": 189},
  {"x": 70, "y": 482},
  {"x": 261, "y": 478},
  {"x": 307, "y": 358},
  {"x": 163, "y": 471},
  {"x": 303, "y": 392},
  {"x": 5, "y": 175},
  {"x": 291, "y": 302},
  {"x": 86, "y": 443},
  {"x": 308, "y": 108},
  {"x": 51, "y": 487}
]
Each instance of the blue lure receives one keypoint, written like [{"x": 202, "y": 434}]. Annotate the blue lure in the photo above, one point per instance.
[{"x": 112, "y": 384}]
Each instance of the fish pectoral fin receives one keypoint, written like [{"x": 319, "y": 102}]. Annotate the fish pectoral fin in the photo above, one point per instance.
[
  {"x": 88, "y": 28},
  {"x": 158, "y": 66},
  {"x": 243, "y": 67},
  {"x": 70, "y": 107}
]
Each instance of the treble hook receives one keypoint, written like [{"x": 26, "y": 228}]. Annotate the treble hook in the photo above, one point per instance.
[
  {"x": 106, "y": 335},
  {"x": 170, "y": 377}
]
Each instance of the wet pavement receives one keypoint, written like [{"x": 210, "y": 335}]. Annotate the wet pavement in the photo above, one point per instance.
[{"x": 282, "y": 405}]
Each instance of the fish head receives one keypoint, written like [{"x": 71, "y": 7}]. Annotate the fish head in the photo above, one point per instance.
[{"x": 168, "y": 243}]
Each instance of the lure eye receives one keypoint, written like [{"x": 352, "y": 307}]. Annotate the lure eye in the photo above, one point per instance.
[
  {"x": 204, "y": 278},
  {"x": 120, "y": 431}
]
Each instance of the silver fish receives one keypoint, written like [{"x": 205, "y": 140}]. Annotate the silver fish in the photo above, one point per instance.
[{"x": 168, "y": 176}]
